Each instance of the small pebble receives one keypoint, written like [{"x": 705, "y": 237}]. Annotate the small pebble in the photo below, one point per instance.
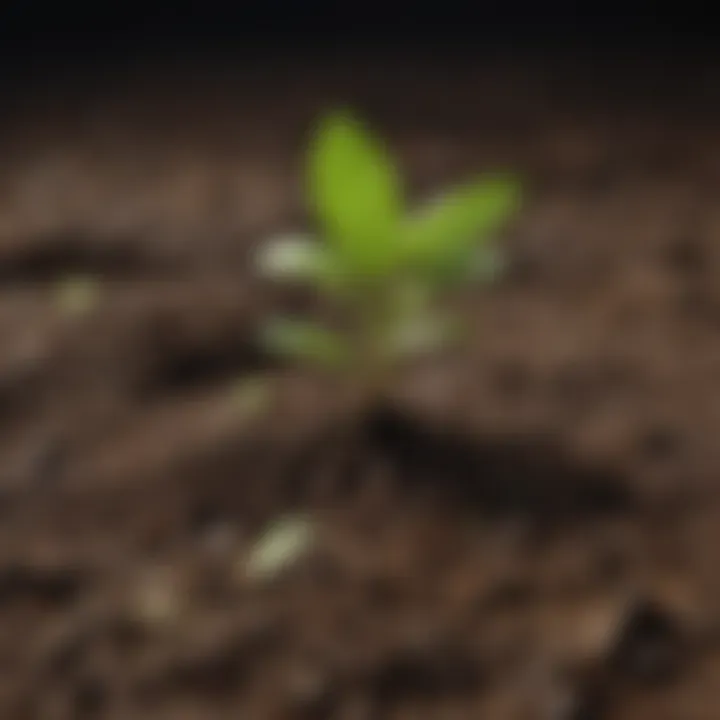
[
  {"x": 157, "y": 598},
  {"x": 649, "y": 647},
  {"x": 77, "y": 296},
  {"x": 283, "y": 543}
]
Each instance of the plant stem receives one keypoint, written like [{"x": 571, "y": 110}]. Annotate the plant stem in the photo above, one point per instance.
[{"x": 371, "y": 366}]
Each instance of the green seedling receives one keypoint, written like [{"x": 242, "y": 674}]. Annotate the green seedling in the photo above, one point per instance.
[{"x": 385, "y": 271}]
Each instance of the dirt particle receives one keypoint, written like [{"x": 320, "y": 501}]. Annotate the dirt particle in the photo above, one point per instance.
[
  {"x": 660, "y": 444},
  {"x": 90, "y": 698},
  {"x": 309, "y": 690},
  {"x": 429, "y": 672},
  {"x": 685, "y": 255},
  {"x": 513, "y": 381},
  {"x": 157, "y": 598},
  {"x": 54, "y": 586},
  {"x": 650, "y": 646},
  {"x": 62, "y": 651}
]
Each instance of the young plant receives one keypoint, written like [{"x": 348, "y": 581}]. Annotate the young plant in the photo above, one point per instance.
[{"x": 386, "y": 271}]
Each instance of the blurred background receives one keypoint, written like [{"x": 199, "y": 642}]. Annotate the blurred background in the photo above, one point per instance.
[{"x": 525, "y": 530}]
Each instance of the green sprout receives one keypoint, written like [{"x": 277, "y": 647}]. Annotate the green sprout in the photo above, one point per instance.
[{"x": 386, "y": 271}]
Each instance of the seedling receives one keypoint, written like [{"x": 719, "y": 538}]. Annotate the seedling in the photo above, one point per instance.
[{"x": 386, "y": 271}]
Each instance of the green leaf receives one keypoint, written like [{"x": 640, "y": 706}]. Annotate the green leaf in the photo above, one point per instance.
[
  {"x": 305, "y": 341},
  {"x": 444, "y": 236},
  {"x": 355, "y": 192},
  {"x": 300, "y": 258}
]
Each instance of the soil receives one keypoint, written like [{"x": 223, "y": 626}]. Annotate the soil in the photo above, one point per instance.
[{"x": 526, "y": 530}]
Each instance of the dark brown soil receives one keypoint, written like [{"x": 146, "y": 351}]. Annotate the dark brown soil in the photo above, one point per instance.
[{"x": 526, "y": 531}]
